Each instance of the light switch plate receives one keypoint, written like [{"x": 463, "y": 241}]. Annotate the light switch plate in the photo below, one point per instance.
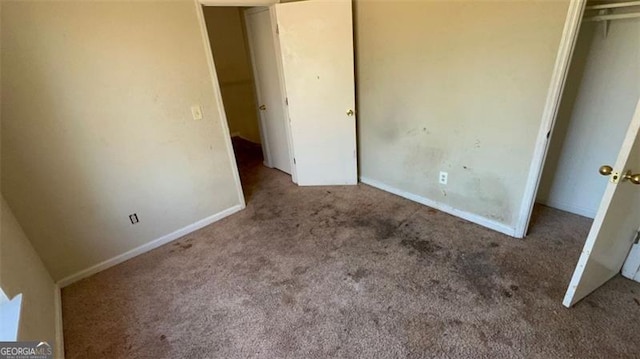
[{"x": 196, "y": 111}]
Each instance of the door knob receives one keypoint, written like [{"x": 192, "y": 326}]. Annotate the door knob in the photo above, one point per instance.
[
  {"x": 608, "y": 170},
  {"x": 350, "y": 112},
  {"x": 605, "y": 170},
  {"x": 634, "y": 178},
  {"x": 262, "y": 107}
]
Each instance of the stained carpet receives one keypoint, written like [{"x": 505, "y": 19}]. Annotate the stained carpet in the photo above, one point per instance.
[{"x": 350, "y": 272}]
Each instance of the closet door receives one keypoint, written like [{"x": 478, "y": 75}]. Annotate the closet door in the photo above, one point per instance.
[
  {"x": 316, "y": 42},
  {"x": 616, "y": 223}
]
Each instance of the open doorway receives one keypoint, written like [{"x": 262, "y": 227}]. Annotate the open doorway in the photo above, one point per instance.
[
  {"x": 597, "y": 129},
  {"x": 596, "y": 108},
  {"x": 304, "y": 93},
  {"x": 244, "y": 54}
]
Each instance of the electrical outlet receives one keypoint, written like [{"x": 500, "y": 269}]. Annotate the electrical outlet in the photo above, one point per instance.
[
  {"x": 133, "y": 218},
  {"x": 444, "y": 177},
  {"x": 196, "y": 112}
]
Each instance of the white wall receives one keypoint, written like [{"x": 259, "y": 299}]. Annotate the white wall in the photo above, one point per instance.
[
  {"x": 233, "y": 65},
  {"x": 96, "y": 125},
  {"x": 457, "y": 87},
  {"x": 22, "y": 271},
  {"x": 600, "y": 96}
]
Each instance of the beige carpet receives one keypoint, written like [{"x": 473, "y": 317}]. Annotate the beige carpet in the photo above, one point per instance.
[{"x": 350, "y": 272}]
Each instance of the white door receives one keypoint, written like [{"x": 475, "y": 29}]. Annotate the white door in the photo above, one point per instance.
[
  {"x": 261, "y": 36},
  {"x": 616, "y": 223},
  {"x": 316, "y": 41}
]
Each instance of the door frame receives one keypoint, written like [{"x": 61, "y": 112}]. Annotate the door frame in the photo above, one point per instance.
[
  {"x": 199, "y": 4},
  {"x": 283, "y": 93},
  {"x": 554, "y": 96},
  {"x": 217, "y": 96}
]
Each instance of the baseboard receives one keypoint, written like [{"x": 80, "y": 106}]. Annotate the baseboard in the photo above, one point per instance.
[
  {"x": 147, "y": 246},
  {"x": 59, "y": 345},
  {"x": 563, "y": 206},
  {"x": 485, "y": 222}
]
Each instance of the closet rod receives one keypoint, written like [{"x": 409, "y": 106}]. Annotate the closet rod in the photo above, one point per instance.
[
  {"x": 630, "y": 15},
  {"x": 613, "y": 5}
]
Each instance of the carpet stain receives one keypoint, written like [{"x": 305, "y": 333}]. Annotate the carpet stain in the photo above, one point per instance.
[
  {"x": 288, "y": 300},
  {"x": 300, "y": 270},
  {"x": 478, "y": 272},
  {"x": 266, "y": 212},
  {"x": 382, "y": 228},
  {"x": 323, "y": 231},
  {"x": 592, "y": 304},
  {"x": 424, "y": 247},
  {"x": 182, "y": 245},
  {"x": 358, "y": 275}
]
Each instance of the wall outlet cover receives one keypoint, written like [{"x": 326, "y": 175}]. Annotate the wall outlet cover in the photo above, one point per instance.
[{"x": 444, "y": 177}]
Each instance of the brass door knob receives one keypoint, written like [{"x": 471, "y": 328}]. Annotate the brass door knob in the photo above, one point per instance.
[
  {"x": 634, "y": 178},
  {"x": 262, "y": 107},
  {"x": 350, "y": 112},
  {"x": 605, "y": 170}
]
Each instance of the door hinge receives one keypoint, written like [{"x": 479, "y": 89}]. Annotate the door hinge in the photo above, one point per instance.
[
  {"x": 294, "y": 160},
  {"x": 286, "y": 101},
  {"x": 637, "y": 238},
  {"x": 277, "y": 29}
]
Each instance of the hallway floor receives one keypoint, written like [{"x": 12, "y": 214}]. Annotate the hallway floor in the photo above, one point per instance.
[{"x": 350, "y": 272}]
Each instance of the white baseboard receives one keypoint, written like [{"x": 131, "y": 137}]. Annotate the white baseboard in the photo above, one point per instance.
[
  {"x": 563, "y": 206},
  {"x": 485, "y": 222},
  {"x": 148, "y": 246},
  {"x": 59, "y": 344}
]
